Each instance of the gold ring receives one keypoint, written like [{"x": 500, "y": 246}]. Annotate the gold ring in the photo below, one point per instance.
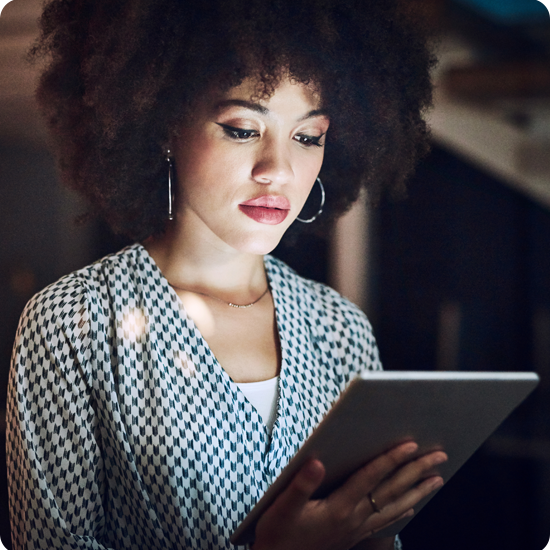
[{"x": 373, "y": 504}]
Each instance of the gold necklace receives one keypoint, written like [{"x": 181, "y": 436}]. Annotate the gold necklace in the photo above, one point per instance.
[{"x": 230, "y": 304}]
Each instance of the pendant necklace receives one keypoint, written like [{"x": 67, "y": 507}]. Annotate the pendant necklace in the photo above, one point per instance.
[{"x": 230, "y": 304}]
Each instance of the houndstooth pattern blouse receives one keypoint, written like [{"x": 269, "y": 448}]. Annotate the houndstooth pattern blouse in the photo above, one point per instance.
[{"x": 125, "y": 432}]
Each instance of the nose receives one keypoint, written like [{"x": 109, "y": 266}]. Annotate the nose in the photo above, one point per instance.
[{"x": 273, "y": 164}]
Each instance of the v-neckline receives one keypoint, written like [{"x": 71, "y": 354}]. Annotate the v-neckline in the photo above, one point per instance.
[{"x": 185, "y": 317}]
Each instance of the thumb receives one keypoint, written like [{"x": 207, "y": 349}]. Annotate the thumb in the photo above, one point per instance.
[{"x": 300, "y": 489}]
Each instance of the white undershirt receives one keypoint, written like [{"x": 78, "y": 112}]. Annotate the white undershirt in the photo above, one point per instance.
[{"x": 264, "y": 396}]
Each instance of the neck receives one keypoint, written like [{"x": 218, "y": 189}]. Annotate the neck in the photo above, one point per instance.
[{"x": 205, "y": 267}]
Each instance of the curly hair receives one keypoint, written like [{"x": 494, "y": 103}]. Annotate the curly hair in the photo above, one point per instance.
[{"x": 124, "y": 74}]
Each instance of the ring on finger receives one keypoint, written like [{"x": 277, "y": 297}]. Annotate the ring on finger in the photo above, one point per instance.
[{"x": 375, "y": 506}]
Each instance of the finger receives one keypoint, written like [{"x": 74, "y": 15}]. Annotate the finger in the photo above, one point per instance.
[
  {"x": 300, "y": 489},
  {"x": 396, "y": 510},
  {"x": 414, "y": 495},
  {"x": 408, "y": 476},
  {"x": 408, "y": 514},
  {"x": 374, "y": 505},
  {"x": 369, "y": 477}
]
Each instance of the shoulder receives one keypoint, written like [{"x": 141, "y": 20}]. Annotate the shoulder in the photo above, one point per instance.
[
  {"x": 312, "y": 295},
  {"x": 332, "y": 317},
  {"x": 69, "y": 322},
  {"x": 82, "y": 298},
  {"x": 90, "y": 281}
]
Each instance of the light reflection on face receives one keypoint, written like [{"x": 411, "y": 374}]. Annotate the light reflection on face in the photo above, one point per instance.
[{"x": 245, "y": 168}]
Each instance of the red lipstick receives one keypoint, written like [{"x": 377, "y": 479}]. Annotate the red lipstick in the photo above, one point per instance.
[{"x": 268, "y": 209}]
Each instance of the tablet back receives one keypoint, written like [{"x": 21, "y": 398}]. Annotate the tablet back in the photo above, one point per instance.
[{"x": 452, "y": 411}]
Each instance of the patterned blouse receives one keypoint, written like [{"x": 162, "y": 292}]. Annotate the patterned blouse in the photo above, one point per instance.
[{"x": 124, "y": 430}]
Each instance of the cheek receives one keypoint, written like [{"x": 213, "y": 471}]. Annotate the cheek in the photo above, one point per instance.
[
  {"x": 194, "y": 158},
  {"x": 210, "y": 174},
  {"x": 212, "y": 158},
  {"x": 309, "y": 170}
]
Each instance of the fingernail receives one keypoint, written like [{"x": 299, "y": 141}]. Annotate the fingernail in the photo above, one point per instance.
[
  {"x": 312, "y": 470},
  {"x": 407, "y": 514},
  {"x": 437, "y": 483},
  {"x": 439, "y": 459},
  {"x": 411, "y": 448}
]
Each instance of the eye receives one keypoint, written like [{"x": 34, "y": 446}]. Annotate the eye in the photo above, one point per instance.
[
  {"x": 308, "y": 141},
  {"x": 238, "y": 134}
]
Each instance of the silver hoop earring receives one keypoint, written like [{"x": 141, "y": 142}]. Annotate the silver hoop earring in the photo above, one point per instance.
[
  {"x": 170, "y": 177},
  {"x": 315, "y": 216}
]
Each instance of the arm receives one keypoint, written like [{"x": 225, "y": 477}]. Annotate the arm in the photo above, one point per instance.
[
  {"x": 54, "y": 460},
  {"x": 346, "y": 517}
]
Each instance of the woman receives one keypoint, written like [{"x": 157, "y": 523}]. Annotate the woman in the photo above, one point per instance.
[{"x": 156, "y": 394}]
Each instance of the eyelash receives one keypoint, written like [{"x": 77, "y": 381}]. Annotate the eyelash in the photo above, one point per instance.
[
  {"x": 313, "y": 140},
  {"x": 238, "y": 134}
]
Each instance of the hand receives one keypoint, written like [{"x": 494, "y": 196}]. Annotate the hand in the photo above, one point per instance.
[{"x": 347, "y": 516}]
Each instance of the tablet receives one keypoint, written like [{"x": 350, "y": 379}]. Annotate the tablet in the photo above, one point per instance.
[{"x": 450, "y": 411}]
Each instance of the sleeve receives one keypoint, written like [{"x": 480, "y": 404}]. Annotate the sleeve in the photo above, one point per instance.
[{"x": 55, "y": 466}]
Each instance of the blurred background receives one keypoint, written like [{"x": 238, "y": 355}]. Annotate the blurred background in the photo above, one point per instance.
[{"x": 454, "y": 277}]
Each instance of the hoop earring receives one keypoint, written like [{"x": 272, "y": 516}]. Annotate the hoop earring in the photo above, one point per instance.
[
  {"x": 315, "y": 216},
  {"x": 170, "y": 177}
]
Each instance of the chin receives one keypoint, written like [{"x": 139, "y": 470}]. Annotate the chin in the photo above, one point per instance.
[{"x": 260, "y": 246}]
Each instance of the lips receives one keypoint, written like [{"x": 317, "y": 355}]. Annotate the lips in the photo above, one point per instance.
[{"x": 268, "y": 209}]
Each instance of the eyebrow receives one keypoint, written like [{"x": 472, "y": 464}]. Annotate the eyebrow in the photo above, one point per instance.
[
  {"x": 314, "y": 113},
  {"x": 264, "y": 110},
  {"x": 241, "y": 103}
]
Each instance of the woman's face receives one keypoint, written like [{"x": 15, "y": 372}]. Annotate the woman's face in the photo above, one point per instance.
[{"x": 245, "y": 168}]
